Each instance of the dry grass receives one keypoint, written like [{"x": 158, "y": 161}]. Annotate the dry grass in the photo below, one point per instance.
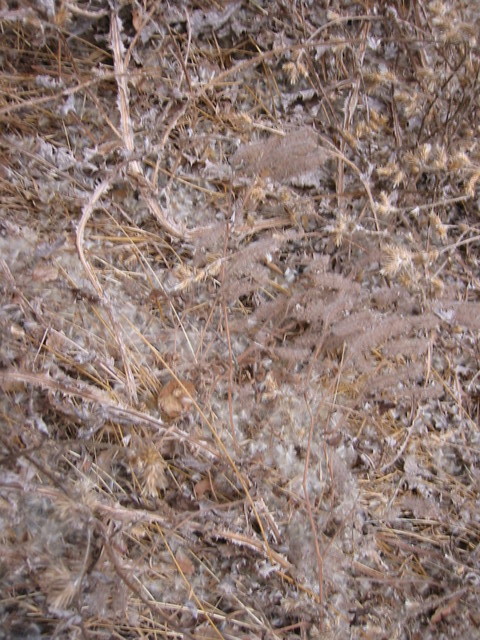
[{"x": 239, "y": 305}]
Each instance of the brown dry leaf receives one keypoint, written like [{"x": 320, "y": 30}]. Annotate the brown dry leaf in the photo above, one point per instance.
[
  {"x": 184, "y": 562},
  {"x": 202, "y": 487},
  {"x": 176, "y": 398},
  {"x": 137, "y": 20},
  {"x": 45, "y": 273},
  {"x": 282, "y": 157},
  {"x": 444, "y": 612}
]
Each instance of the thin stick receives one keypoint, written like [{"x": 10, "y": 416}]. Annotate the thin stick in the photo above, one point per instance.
[
  {"x": 135, "y": 168},
  {"x": 101, "y": 189}
]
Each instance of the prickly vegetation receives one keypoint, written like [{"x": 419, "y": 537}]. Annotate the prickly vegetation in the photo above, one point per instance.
[{"x": 240, "y": 315}]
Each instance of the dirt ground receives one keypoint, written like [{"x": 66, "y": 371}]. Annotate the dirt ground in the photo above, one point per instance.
[{"x": 240, "y": 319}]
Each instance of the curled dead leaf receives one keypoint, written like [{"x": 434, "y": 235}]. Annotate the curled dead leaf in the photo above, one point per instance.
[{"x": 176, "y": 397}]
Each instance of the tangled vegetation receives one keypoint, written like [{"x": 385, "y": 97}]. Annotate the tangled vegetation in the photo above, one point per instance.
[{"x": 240, "y": 319}]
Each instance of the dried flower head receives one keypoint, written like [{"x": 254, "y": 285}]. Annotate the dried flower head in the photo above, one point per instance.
[
  {"x": 150, "y": 467},
  {"x": 438, "y": 225},
  {"x": 396, "y": 260},
  {"x": 387, "y": 170},
  {"x": 61, "y": 584},
  {"x": 294, "y": 71},
  {"x": 384, "y": 207},
  {"x": 437, "y": 285},
  {"x": 472, "y": 183},
  {"x": 344, "y": 225},
  {"x": 458, "y": 160}
]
